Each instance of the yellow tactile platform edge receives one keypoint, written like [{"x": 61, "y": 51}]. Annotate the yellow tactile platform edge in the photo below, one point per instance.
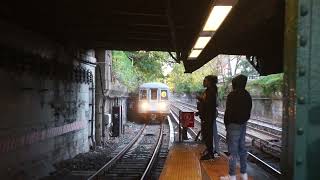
[{"x": 183, "y": 163}]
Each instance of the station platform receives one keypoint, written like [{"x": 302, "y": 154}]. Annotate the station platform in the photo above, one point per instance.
[{"x": 183, "y": 162}]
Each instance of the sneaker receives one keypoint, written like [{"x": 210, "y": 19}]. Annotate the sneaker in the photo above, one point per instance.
[
  {"x": 206, "y": 157},
  {"x": 228, "y": 177},
  {"x": 244, "y": 176},
  {"x": 216, "y": 154}
]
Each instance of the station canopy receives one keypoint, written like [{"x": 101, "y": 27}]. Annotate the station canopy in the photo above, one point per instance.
[{"x": 252, "y": 28}]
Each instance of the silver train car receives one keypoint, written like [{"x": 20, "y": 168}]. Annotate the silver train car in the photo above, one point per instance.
[{"x": 153, "y": 101}]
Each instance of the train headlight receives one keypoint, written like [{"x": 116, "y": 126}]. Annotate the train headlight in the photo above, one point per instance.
[
  {"x": 144, "y": 106},
  {"x": 163, "y": 106}
]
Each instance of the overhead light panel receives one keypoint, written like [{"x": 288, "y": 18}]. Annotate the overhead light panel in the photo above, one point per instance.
[
  {"x": 201, "y": 42},
  {"x": 216, "y": 17},
  {"x": 194, "y": 53}
]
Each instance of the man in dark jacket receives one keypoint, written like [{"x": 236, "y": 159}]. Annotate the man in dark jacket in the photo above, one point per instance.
[
  {"x": 237, "y": 113},
  {"x": 208, "y": 113}
]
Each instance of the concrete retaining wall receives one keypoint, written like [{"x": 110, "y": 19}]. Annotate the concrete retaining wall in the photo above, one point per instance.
[
  {"x": 44, "y": 109},
  {"x": 42, "y": 121},
  {"x": 268, "y": 109}
]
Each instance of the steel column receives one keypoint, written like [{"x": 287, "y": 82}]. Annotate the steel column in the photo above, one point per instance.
[{"x": 302, "y": 71}]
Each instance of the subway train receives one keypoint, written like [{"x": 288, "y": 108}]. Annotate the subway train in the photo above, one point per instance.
[{"x": 153, "y": 102}]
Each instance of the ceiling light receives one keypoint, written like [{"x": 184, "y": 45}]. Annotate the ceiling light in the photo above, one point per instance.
[
  {"x": 216, "y": 17},
  {"x": 194, "y": 53},
  {"x": 201, "y": 42}
]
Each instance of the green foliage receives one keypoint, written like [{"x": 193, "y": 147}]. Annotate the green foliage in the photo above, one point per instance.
[
  {"x": 177, "y": 80},
  {"x": 181, "y": 82},
  {"x": 148, "y": 65},
  {"x": 246, "y": 68},
  {"x": 265, "y": 86},
  {"x": 124, "y": 70},
  {"x": 268, "y": 84},
  {"x": 224, "y": 88},
  {"x": 135, "y": 68}
]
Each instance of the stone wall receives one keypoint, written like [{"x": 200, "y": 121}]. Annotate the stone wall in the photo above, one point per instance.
[
  {"x": 42, "y": 121},
  {"x": 45, "y": 103},
  {"x": 268, "y": 109}
]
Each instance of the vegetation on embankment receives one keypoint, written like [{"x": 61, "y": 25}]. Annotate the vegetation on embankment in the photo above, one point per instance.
[{"x": 135, "y": 68}]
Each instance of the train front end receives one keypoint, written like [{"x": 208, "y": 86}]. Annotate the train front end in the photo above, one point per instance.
[{"x": 154, "y": 102}]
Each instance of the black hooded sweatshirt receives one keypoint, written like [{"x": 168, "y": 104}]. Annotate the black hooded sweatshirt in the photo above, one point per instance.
[{"x": 239, "y": 102}]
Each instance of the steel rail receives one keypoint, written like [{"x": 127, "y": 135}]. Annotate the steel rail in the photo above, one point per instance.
[
  {"x": 255, "y": 136},
  {"x": 252, "y": 120},
  {"x": 118, "y": 156},
  {"x": 248, "y": 134},
  {"x": 253, "y": 128},
  {"x": 272, "y": 169},
  {"x": 260, "y": 161},
  {"x": 153, "y": 158}
]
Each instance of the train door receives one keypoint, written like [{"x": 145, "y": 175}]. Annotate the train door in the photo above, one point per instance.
[{"x": 153, "y": 94}]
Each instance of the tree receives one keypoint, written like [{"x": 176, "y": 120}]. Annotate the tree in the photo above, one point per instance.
[
  {"x": 123, "y": 70},
  {"x": 247, "y": 69},
  {"x": 181, "y": 82},
  {"x": 137, "y": 67}
]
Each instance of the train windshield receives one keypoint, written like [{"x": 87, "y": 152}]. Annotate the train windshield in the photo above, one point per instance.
[
  {"x": 143, "y": 94},
  {"x": 154, "y": 94},
  {"x": 164, "y": 95}
]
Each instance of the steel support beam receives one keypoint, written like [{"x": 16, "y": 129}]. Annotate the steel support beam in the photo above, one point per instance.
[
  {"x": 302, "y": 91},
  {"x": 289, "y": 99},
  {"x": 99, "y": 96}
]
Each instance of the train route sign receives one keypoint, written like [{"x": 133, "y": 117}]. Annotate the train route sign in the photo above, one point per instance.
[{"x": 187, "y": 119}]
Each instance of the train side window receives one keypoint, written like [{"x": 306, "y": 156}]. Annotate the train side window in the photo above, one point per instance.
[
  {"x": 164, "y": 95},
  {"x": 143, "y": 94},
  {"x": 154, "y": 93}
]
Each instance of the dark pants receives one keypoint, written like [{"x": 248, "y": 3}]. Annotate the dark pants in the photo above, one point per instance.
[{"x": 207, "y": 134}]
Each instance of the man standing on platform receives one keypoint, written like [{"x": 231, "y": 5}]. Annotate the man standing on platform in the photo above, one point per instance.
[
  {"x": 237, "y": 113},
  {"x": 208, "y": 112}
]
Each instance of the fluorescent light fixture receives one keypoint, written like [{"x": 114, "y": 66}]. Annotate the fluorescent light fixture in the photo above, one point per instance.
[
  {"x": 194, "y": 53},
  {"x": 216, "y": 17},
  {"x": 201, "y": 42}
]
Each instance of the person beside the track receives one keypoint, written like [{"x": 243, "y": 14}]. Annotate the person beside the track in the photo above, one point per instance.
[
  {"x": 208, "y": 113},
  {"x": 237, "y": 113}
]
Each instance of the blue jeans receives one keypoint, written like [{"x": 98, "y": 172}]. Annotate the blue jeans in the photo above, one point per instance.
[
  {"x": 215, "y": 137},
  {"x": 236, "y": 135}
]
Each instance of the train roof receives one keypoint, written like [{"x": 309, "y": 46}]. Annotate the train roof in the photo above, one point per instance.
[{"x": 154, "y": 84}]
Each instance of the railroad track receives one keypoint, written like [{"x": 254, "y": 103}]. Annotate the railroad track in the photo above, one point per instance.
[
  {"x": 252, "y": 132},
  {"x": 262, "y": 163},
  {"x": 162, "y": 155},
  {"x": 270, "y": 143},
  {"x": 259, "y": 125},
  {"x": 135, "y": 160},
  {"x": 267, "y": 131}
]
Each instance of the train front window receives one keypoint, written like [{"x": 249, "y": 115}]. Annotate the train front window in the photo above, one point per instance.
[
  {"x": 154, "y": 94},
  {"x": 164, "y": 95},
  {"x": 143, "y": 94}
]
